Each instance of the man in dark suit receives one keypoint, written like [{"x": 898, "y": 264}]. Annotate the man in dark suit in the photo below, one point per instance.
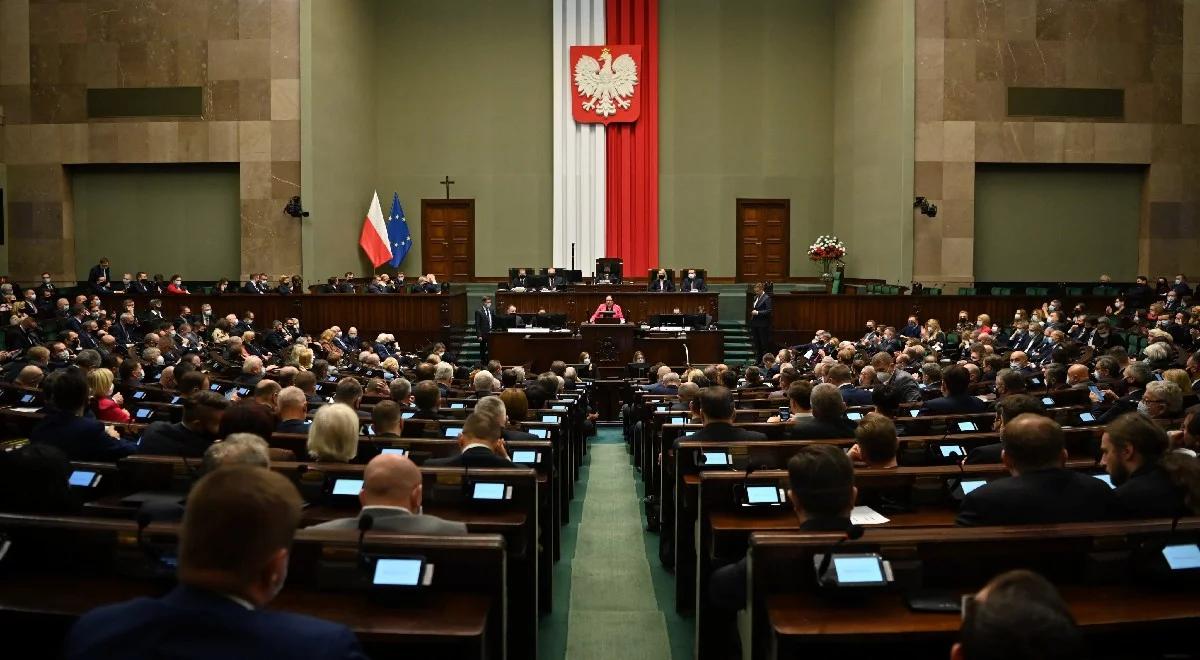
[
  {"x": 1141, "y": 295},
  {"x": 1040, "y": 490},
  {"x": 347, "y": 285},
  {"x": 1018, "y": 615},
  {"x": 292, "y": 405},
  {"x": 46, "y": 285},
  {"x": 692, "y": 283},
  {"x": 100, "y": 270},
  {"x": 26, "y": 335},
  {"x": 821, "y": 493},
  {"x": 900, "y": 380},
  {"x": 840, "y": 376},
  {"x": 1181, "y": 287},
  {"x": 716, "y": 413},
  {"x": 65, "y": 428},
  {"x": 483, "y": 326},
  {"x": 202, "y": 413},
  {"x": 1132, "y": 450},
  {"x": 521, "y": 280},
  {"x": 660, "y": 282},
  {"x": 1136, "y": 376},
  {"x": 234, "y": 548},
  {"x": 828, "y": 418},
  {"x": 252, "y": 286},
  {"x": 954, "y": 399},
  {"x": 481, "y": 445},
  {"x": 760, "y": 320},
  {"x": 554, "y": 281}
]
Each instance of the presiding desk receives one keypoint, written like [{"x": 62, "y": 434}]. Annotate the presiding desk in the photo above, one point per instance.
[
  {"x": 579, "y": 304},
  {"x": 611, "y": 346}
]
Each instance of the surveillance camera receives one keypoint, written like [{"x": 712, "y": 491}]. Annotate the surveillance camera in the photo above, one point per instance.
[{"x": 294, "y": 208}]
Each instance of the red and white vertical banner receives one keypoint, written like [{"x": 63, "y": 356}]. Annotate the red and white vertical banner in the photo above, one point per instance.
[
  {"x": 579, "y": 151},
  {"x": 606, "y": 132},
  {"x": 632, "y": 148}
]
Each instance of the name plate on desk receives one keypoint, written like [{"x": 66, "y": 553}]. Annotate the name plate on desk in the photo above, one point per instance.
[
  {"x": 531, "y": 331},
  {"x": 668, "y": 328}
]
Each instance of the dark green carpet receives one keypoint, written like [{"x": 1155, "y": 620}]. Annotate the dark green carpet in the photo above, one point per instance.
[{"x": 616, "y": 612}]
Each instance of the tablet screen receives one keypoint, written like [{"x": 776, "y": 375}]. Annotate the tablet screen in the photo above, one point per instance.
[
  {"x": 858, "y": 570},
  {"x": 967, "y": 426},
  {"x": 488, "y": 490},
  {"x": 1106, "y": 478},
  {"x": 971, "y": 484},
  {"x": 1182, "y": 557},
  {"x": 951, "y": 450},
  {"x": 398, "y": 572},
  {"x": 914, "y": 412},
  {"x": 399, "y": 451},
  {"x": 762, "y": 495},
  {"x": 452, "y": 431},
  {"x": 854, "y": 416},
  {"x": 407, "y": 414},
  {"x": 716, "y": 458},
  {"x": 142, "y": 413},
  {"x": 523, "y": 456},
  {"x": 347, "y": 486},
  {"x": 139, "y": 394},
  {"x": 1047, "y": 401},
  {"x": 679, "y": 420},
  {"x": 550, "y": 419},
  {"x": 1087, "y": 417},
  {"x": 81, "y": 478},
  {"x": 540, "y": 433},
  {"x": 564, "y": 408}
]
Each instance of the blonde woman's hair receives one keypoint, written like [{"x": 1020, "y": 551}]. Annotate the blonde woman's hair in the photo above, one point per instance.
[
  {"x": 333, "y": 435},
  {"x": 99, "y": 380}
]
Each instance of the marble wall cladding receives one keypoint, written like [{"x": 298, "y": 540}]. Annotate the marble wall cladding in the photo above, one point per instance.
[
  {"x": 970, "y": 51},
  {"x": 245, "y": 54}
]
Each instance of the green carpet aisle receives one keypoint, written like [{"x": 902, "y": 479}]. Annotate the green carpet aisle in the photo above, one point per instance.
[{"x": 612, "y": 599}]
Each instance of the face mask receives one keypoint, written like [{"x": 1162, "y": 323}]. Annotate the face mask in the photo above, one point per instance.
[
  {"x": 339, "y": 333},
  {"x": 1015, "y": 365},
  {"x": 1143, "y": 408},
  {"x": 64, "y": 355},
  {"x": 587, "y": 360},
  {"x": 1178, "y": 280},
  {"x": 159, "y": 361},
  {"x": 111, "y": 389},
  {"x": 178, "y": 282},
  {"x": 353, "y": 335},
  {"x": 46, "y": 280},
  {"x": 1096, "y": 375}
]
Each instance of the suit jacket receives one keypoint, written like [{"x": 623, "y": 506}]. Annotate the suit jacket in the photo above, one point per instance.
[
  {"x": 1149, "y": 493},
  {"x": 80, "y": 438},
  {"x": 696, "y": 284},
  {"x": 854, "y": 396},
  {"x": 483, "y": 322},
  {"x": 616, "y": 310},
  {"x": 192, "y": 623},
  {"x": 953, "y": 405},
  {"x": 395, "y": 519},
  {"x": 906, "y": 384},
  {"x": 660, "y": 285},
  {"x": 1056, "y": 495},
  {"x": 294, "y": 426},
  {"x": 762, "y": 305},
  {"x": 985, "y": 454},
  {"x": 722, "y": 432},
  {"x": 520, "y": 281},
  {"x": 167, "y": 439},
  {"x": 476, "y": 457},
  {"x": 20, "y": 339},
  {"x": 811, "y": 428},
  {"x": 96, "y": 273}
]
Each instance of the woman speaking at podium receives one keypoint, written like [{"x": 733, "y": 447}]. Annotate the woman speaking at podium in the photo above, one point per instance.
[{"x": 608, "y": 309}]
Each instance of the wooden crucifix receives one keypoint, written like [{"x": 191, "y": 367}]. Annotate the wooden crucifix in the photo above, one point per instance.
[{"x": 447, "y": 182}]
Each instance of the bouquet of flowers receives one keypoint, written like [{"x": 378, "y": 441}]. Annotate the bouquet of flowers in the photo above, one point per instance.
[{"x": 825, "y": 248}]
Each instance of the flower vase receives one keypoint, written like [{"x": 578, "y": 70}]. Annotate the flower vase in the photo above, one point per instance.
[{"x": 826, "y": 275}]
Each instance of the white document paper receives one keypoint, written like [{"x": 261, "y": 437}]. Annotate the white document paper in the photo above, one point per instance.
[{"x": 865, "y": 515}]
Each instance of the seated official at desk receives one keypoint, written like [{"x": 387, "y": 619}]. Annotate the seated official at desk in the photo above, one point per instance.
[
  {"x": 554, "y": 281},
  {"x": 391, "y": 498},
  {"x": 608, "y": 308},
  {"x": 661, "y": 282},
  {"x": 234, "y": 548},
  {"x": 954, "y": 400},
  {"x": 65, "y": 428},
  {"x": 520, "y": 281},
  {"x": 1041, "y": 490},
  {"x": 1018, "y": 616},
  {"x": 1150, "y": 481},
  {"x": 716, "y": 413},
  {"x": 202, "y": 414},
  {"x": 481, "y": 444},
  {"x": 822, "y": 494},
  {"x": 1007, "y": 409},
  {"x": 692, "y": 284},
  {"x": 293, "y": 411},
  {"x": 828, "y": 418}
]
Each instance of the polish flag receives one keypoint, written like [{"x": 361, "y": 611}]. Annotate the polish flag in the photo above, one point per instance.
[{"x": 374, "y": 240}]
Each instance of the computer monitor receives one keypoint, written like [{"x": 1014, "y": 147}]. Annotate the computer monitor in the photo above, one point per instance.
[
  {"x": 672, "y": 320},
  {"x": 537, "y": 282},
  {"x": 504, "y": 322},
  {"x": 694, "y": 320},
  {"x": 553, "y": 321}
]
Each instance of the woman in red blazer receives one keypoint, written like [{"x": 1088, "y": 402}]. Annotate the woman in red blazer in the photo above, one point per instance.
[
  {"x": 176, "y": 287},
  {"x": 106, "y": 403},
  {"x": 608, "y": 306}
]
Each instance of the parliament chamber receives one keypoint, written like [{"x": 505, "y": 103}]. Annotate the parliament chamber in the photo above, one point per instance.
[{"x": 748, "y": 329}]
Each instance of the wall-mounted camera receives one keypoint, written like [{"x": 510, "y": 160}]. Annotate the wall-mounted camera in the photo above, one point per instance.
[
  {"x": 925, "y": 207},
  {"x": 294, "y": 208}
]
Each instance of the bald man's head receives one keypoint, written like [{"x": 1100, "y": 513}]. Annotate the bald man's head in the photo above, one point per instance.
[
  {"x": 391, "y": 480},
  {"x": 1076, "y": 374},
  {"x": 1032, "y": 442}
]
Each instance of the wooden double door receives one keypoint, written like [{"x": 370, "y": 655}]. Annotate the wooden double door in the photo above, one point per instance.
[
  {"x": 448, "y": 239},
  {"x": 763, "y": 240}
]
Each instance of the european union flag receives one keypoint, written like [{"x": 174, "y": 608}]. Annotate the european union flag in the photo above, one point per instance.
[{"x": 398, "y": 235}]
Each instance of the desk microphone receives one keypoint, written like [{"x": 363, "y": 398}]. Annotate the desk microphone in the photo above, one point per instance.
[
  {"x": 365, "y": 522},
  {"x": 853, "y": 533}
]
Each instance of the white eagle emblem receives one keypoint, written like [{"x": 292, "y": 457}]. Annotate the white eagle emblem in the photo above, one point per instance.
[{"x": 606, "y": 86}]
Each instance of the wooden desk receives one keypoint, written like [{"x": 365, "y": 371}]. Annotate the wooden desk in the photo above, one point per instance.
[
  {"x": 417, "y": 319},
  {"x": 611, "y": 347},
  {"x": 580, "y": 303}
]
